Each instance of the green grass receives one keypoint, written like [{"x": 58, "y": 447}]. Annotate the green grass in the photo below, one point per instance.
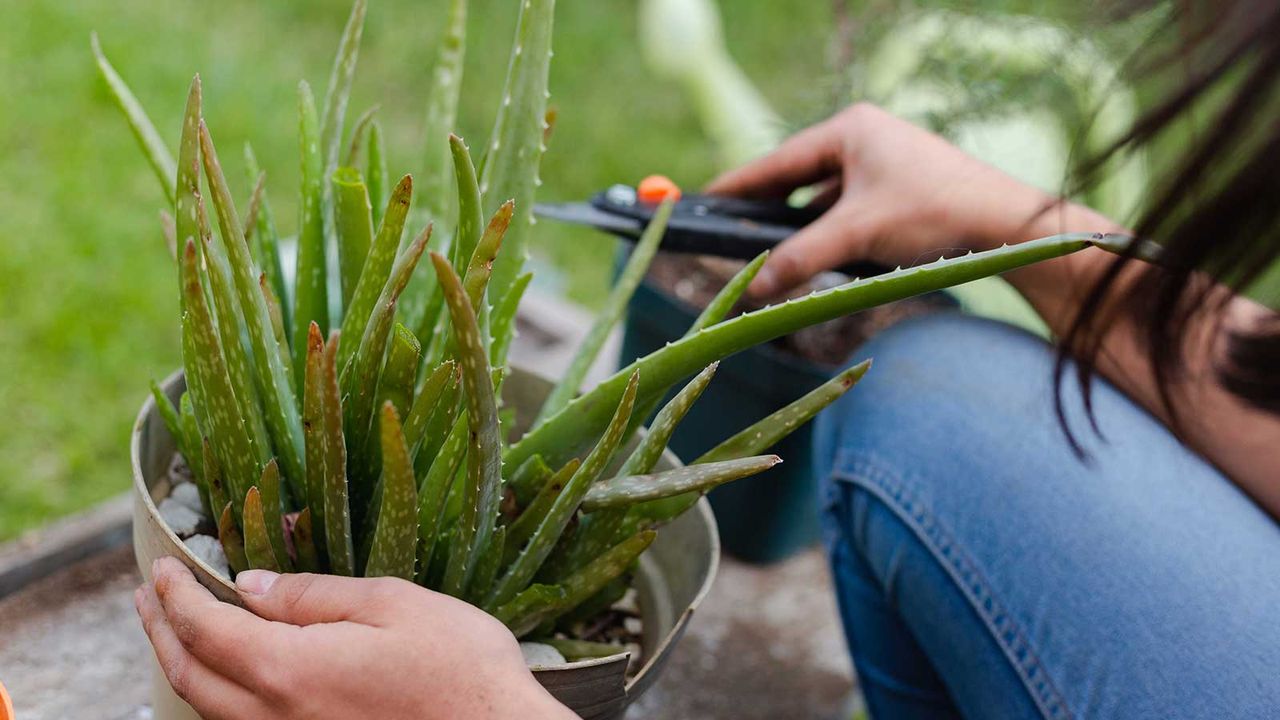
[{"x": 87, "y": 296}]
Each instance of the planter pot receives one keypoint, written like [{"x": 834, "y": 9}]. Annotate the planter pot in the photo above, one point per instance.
[{"x": 675, "y": 572}]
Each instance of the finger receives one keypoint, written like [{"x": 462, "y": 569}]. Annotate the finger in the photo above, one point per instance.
[
  {"x": 308, "y": 599},
  {"x": 840, "y": 235},
  {"x": 212, "y": 695},
  {"x": 810, "y": 155},
  {"x": 228, "y": 639}
]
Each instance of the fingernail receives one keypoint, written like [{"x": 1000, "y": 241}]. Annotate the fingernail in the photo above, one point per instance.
[{"x": 256, "y": 582}]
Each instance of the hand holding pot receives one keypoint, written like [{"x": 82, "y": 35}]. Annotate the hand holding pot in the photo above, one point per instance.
[
  {"x": 897, "y": 194},
  {"x": 328, "y": 646}
]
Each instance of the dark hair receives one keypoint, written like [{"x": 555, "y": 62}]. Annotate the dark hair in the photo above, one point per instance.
[{"x": 1216, "y": 213}]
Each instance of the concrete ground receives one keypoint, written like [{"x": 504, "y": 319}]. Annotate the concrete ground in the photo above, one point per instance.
[{"x": 766, "y": 643}]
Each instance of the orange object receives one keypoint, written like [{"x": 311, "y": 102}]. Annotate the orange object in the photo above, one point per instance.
[
  {"x": 6, "y": 706},
  {"x": 656, "y": 188}
]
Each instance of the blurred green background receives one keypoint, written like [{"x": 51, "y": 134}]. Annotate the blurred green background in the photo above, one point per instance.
[{"x": 87, "y": 300}]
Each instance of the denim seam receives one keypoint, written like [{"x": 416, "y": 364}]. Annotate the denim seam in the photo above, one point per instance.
[{"x": 891, "y": 489}]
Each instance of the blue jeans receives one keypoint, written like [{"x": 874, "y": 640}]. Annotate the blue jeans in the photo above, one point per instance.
[{"x": 983, "y": 571}]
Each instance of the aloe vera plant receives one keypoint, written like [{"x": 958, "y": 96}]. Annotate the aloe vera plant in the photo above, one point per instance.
[{"x": 360, "y": 434}]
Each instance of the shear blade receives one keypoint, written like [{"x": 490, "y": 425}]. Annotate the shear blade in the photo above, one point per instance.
[{"x": 582, "y": 213}]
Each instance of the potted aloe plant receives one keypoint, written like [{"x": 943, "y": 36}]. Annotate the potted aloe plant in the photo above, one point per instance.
[{"x": 364, "y": 421}]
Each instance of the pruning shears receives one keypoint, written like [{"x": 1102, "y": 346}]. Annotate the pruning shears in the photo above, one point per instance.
[{"x": 700, "y": 224}]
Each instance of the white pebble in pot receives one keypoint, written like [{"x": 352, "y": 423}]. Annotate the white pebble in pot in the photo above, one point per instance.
[
  {"x": 181, "y": 519},
  {"x": 209, "y": 550},
  {"x": 187, "y": 494},
  {"x": 540, "y": 655}
]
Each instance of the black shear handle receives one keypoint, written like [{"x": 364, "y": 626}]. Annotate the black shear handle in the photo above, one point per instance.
[{"x": 728, "y": 227}]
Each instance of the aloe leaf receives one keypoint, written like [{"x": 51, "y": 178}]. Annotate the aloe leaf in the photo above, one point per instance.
[
  {"x": 353, "y": 217},
  {"x": 502, "y": 321},
  {"x": 337, "y": 513},
  {"x": 649, "y": 451},
  {"x": 432, "y": 321},
  {"x": 573, "y": 649},
  {"x": 251, "y": 219},
  {"x": 605, "y": 598},
  {"x": 269, "y": 242},
  {"x": 440, "y": 424},
  {"x": 528, "y": 479},
  {"x": 714, "y": 312},
  {"x": 476, "y": 278},
  {"x": 358, "y": 131},
  {"x": 272, "y": 510},
  {"x": 282, "y": 419},
  {"x": 313, "y": 432},
  {"x": 310, "y": 291},
  {"x": 582, "y": 584},
  {"x": 148, "y": 137},
  {"x": 172, "y": 423},
  {"x": 376, "y": 269},
  {"x": 233, "y": 350},
  {"x": 552, "y": 527},
  {"x": 401, "y": 371},
  {"x": 194, "y": 441},
  {"x": 359, "y": 380},
  {"x": 470, "y": 206},
  {"x": 394, "y": 547},
  {"x": 729, "y": 295},
  {"x": 435, "y": 490},
  {"x": 480, "y": 267},
  {"x": 424, "y": 405},
  {"x": 515, "y": 148},
  {"x": 216, "y": 481},
  {"x": 307, "y": 558},
  {"x": 536, "y": 510},
  {"x": 442, "y": 114},
  {"x": 608, "y": 317},
  {"x": 277, "y": 317},
  {"x": 753, "y": 440},
  {"x": 230, "y": 436},
  {"x": 376, "y": 170},
  {"x": 560, "y": 436},
  {"x": 340, "y": 77},
  {"x": 187, "y": 227},
  {"x": 480, "y": 505},
  {"x": 395, "y": 385},
  {"x": 526, "y": 604},
  {"x": 487, "y": 566},
  {"x": 627, "y": 490},
  {"x": 598, "y": 531},
  {"x": 257, "y": 543},
  {"x": 768, "y": 432},
  {"x": 232, "y": 541}
]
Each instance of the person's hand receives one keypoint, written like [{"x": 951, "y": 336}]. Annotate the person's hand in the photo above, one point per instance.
[
  {"x": 326, "y": 646},
  {"x": 898, "y": 195}
]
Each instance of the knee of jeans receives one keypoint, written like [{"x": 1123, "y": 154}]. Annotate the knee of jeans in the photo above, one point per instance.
[{"x": 938, "y": 387}]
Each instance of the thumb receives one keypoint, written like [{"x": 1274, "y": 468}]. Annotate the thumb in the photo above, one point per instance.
[
  {"x": 838, "y": 236},
  {"x": 308, "y": 599}
]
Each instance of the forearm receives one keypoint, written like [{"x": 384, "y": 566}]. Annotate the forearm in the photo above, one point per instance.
[{"x": 1240, "y": 440}]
